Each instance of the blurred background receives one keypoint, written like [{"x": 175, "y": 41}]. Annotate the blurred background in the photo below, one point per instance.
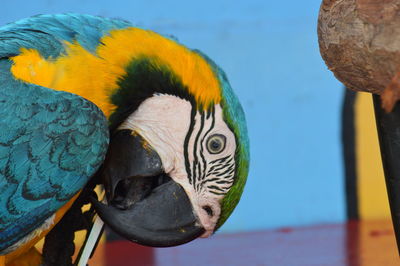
[{"x": 315, "y": 160}]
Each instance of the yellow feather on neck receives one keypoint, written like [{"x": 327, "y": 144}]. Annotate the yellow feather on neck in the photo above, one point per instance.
[{"x": 95, "y": 76}]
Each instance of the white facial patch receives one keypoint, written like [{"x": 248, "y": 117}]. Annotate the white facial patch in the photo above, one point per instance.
[{"x": 197, "y": 150}]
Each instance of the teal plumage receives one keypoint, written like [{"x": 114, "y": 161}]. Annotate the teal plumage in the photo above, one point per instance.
[
  {"x": 46, "y": 33},
  {"x": 51, "y": 142}
]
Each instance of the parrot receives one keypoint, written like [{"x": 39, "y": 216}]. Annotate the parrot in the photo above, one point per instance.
[{"x": 157, "y": 121}]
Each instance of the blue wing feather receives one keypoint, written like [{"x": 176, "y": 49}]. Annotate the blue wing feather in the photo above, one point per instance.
[
  {"x": 47, "y": 33},
  {"x": 51, "y": 142}
]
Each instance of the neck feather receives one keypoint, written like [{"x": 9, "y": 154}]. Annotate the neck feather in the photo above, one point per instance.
[{"x": 96, "y": 76}]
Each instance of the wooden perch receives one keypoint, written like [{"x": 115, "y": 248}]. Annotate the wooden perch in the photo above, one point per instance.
[{"x": 360, "y": 42}]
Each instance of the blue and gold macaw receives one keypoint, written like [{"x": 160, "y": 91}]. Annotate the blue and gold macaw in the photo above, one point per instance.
[{"x": 79, "y": 92}]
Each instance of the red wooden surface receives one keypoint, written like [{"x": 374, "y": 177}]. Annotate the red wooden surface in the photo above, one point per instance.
[
  {"x": 369, "y": 243},
  {"x": 124, "y": 253}
]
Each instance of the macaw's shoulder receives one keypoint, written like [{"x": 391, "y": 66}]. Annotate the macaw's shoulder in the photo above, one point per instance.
[
  {"x": 48, "y": 33},
  {"x": 51, "y": 143}
]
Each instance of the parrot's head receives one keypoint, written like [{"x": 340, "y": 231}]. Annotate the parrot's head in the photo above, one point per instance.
[{"x": 179, "y": 153}]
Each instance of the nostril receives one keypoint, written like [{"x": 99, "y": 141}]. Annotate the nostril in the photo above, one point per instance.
[{"x": 208, "y": 210}]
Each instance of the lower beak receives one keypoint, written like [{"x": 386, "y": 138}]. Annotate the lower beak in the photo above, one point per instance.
[{"x": 145, "y": 205}]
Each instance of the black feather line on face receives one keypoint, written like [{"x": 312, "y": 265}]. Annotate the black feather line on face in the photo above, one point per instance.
[
  {"x": 186, "y": 144},
  {"x": 211, "y": 114},
  {"x": 196, "y": 162},
  {"x": 144, "y": 77}
]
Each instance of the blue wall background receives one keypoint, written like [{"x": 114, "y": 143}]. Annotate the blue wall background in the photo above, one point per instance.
[{"x": 270, "y": 52}]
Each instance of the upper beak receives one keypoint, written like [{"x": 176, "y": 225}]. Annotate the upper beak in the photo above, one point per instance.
[{"x": 145, "y": 205}]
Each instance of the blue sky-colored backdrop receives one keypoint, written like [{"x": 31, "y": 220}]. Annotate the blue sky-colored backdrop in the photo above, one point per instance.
[{"x": 270, "y": 53}]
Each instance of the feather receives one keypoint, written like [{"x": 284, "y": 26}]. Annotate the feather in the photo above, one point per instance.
[{"x": 51, "y": 144}]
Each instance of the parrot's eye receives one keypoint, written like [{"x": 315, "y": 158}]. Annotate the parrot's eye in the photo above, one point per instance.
[{"x": 216, "y": 143}]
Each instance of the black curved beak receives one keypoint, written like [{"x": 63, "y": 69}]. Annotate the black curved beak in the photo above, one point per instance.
[{"x": 145, "y": 205}]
